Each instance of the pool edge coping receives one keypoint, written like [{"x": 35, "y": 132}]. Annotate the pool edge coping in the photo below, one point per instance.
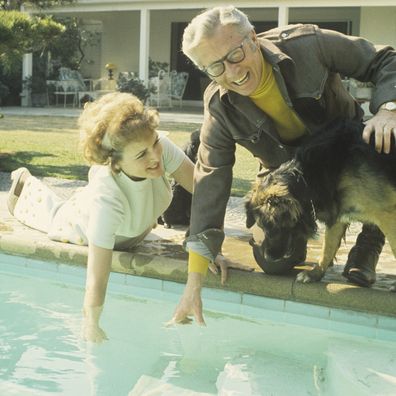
[{"x": 166, "y": 267}]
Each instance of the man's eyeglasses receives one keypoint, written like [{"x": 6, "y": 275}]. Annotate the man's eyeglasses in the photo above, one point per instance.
[{"x": 236, "y": 55}]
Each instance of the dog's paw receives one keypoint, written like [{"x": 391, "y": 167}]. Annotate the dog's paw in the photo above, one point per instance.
[
  {"x": 304, "y": 277},
  {"x": 313, "y": 275}
]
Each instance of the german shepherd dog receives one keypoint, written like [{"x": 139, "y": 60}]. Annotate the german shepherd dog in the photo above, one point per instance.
[
  {"x": 336, "y": 178},
  {"x": 178, "y": 212}
]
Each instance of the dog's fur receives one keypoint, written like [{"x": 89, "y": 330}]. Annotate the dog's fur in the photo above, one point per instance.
[
  {"x": 335, "y": 178},
  {"x": 178, "y": 212}
]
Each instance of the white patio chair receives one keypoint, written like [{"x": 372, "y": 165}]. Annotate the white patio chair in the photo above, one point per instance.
[
  {"x": 162, "y": 90},
  {"x": 71, "y": 83},
  {"x": 66, "y": 88},
  {"x": 178, "y": 85}
]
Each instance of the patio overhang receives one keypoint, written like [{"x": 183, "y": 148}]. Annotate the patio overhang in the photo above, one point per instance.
[{"x": 125, "y": 5}]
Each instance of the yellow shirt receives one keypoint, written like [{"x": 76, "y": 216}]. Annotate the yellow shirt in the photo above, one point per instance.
[{"x": 268, "y": 98}]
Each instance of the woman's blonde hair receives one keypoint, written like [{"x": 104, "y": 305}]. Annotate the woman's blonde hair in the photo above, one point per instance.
[{"x": 110, "y": 123}]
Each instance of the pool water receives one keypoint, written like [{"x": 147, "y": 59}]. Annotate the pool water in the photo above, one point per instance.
[{"x": 42, "y": 353}]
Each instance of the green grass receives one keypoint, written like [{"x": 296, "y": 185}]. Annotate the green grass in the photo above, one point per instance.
[{"x": 48, "y": 146}]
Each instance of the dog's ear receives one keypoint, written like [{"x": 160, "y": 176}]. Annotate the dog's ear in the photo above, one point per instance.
[{"x": 250, "y": 220}]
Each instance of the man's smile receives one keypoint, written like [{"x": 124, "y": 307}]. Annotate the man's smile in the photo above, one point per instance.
[{"x": 242, "y": 80}]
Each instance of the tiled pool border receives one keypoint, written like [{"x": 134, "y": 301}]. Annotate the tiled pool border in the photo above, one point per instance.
[
  {"x": 169, "y": 264},
  {"x": 244, "y": 304}
]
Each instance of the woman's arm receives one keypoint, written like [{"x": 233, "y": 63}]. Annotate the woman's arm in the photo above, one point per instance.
[
  {"x": 184, "y": 174},
  {"x": 98, "y": 271}
]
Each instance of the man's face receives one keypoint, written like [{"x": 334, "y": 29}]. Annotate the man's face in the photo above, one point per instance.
[{"x": 242, "y": 77}]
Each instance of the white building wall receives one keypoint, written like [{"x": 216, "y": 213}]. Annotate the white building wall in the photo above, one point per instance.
[
  {"x": 160, "y": 43},
  {"x": 91, "y": 65},
  {"x": 120, "y": 32},
  {"x": 327, "y": 14},
  {"x": 119, "y": 42},
  {"x": 161, "y": 20},
  {"x": 378, "y": 24}
]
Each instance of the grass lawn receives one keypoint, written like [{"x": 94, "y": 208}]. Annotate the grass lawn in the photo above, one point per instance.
[{"x": 48, "y": 146}]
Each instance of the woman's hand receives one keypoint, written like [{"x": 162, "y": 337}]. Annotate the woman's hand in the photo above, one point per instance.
[
  {"x": 91, "y": 331},
  {"x": 98, "y": 271},
  {"x": 190, "y": 302},
  {"x": 224, "y": 264}
]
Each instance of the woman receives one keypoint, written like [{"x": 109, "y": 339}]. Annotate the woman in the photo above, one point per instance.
[{"x": 126, "y": 192}]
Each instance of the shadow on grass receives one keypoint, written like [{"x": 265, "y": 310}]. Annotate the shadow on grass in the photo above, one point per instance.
[
  {"x": 11, "y": 161},
  {"x": 240, "y": 187}
]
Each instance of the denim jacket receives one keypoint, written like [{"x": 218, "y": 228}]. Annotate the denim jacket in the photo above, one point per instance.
[{"x": 307, "y": 64}]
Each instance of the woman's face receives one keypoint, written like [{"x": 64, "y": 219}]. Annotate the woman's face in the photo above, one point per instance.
[{"x": 143, "y": 159}]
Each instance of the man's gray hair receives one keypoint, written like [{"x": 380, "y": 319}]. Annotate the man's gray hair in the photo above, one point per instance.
[{"x": 204, "y": 25}]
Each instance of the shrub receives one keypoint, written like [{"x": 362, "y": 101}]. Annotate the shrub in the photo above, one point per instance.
[
  {"x": 127, "y": 82},
  {"x": 4, "y": 91}
]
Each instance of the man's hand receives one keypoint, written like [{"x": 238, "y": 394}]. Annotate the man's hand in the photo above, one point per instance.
[
  {"x": 191, "y": 302},
  {"x": 383, "y": 124},
  {"x": 224, "y": 264}
]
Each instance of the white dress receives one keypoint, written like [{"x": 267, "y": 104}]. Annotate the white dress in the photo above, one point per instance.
[{"x": 110, "y": 210}]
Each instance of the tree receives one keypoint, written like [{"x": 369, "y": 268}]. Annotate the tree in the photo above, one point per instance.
[
  {"x": 68, "y": 49},
  {"x": 21, "y": 33},
  {"x": 40, "y": 4}
]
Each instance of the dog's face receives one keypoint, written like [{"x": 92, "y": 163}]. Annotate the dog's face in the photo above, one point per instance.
[{"x": 279, "y": 208}]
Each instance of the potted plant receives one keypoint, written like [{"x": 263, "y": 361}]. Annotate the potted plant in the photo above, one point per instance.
[
  {"x": 127, "y": 82},
  {"x": 4, "y": 91},
  {"x": 155, "y": 67}
]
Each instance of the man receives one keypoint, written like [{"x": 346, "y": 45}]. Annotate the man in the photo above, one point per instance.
[{"x": 268, "y": 92}]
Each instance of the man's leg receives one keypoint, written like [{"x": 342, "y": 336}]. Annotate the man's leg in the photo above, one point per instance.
[{"x": 363, "y": 257}]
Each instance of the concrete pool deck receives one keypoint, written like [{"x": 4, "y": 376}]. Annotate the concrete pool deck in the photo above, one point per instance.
[{"x": 161, "y": 256}]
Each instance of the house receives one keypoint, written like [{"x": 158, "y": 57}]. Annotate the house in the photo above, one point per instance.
[{"x": 131, "y": 31}]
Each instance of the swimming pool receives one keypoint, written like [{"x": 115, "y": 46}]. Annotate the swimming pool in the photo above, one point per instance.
[{"x": 251, "y": 345}]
